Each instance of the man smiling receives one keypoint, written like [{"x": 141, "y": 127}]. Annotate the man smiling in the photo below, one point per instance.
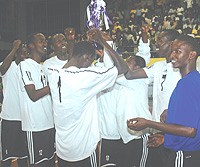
[
  {"x": 36, "y": 107},
  {"x": 60, "y": 47},
  {"x": 182, "y": 128}
]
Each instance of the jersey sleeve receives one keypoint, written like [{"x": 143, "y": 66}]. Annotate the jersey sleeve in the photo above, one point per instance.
[
  {"x": 121, "y": 80},
  {"x": 150, "y": 71},
  {"x": 25, "y": 74},
  {"x": 7, "y": 72},
  {"x": 103, "y": 78}
]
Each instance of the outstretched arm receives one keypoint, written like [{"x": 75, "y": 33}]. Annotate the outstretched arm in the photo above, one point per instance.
[
  {"x": 139, "y": 73},
  {"x": 144, "y": 45},
  {"x": 100, "y": 37},
  {"x": 8, "y": 60},
  {"x": 144, "y": 51},
  {"x": 173, "y": 129},
  {"x": 145, "y": 30}
]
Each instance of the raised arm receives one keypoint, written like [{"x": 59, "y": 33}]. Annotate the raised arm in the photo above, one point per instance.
[
  {"x": 8, "y": 60},
  {"x": 145, "y": 30},
  {"x": 35, "y": 95},
  {"x": 143, "y": 51},
  {"x": 100, "y": 37},
  {"x": 139, "y": 73},
  {"x": 173, "y": 129},
  {"x": 144, "y": 45}
]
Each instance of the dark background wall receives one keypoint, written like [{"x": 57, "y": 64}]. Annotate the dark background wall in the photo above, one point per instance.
[{"x": 18, "y": 18}]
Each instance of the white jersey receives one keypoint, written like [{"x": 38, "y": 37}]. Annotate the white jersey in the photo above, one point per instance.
[
  {"x": 10, "y": 106},
  {"x": 36, "y": 116},
  {"x": 107, "y": 104},
  {"x": 74, "y": 93},
  {"x": 133, "y": 103},
  {"x": 53, "y": 61},
  {"x": 164, "y": 78},
  {"x": 107, "y": 101}
]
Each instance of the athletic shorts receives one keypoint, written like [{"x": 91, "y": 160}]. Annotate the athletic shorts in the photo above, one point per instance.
[
  {"x": 13, "y": 140},
  {"x": 180, "y": 158},
  {"x": 134, "y": 153},
  {"x": 92, "y": 161},
  {"x": 41, "y": 145},
  {"x": 111, "y": 152}
]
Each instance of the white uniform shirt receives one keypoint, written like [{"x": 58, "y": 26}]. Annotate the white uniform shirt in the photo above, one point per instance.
[
  {"x": 133, "y": 103},
  {"x": 164, "y": 78},
  {"x": 10, "y": 106},
  {"x": 107, "y": 104},
  {"x": 36, "y": 116},
  {"x": 108, "y": 99},
  {"x": 53, "y": 61},
  {"x": 74, "y": 93}
]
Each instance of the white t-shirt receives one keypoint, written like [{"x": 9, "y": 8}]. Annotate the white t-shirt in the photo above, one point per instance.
[
  {"x": 133, "y": 103},
  {"x": 164, "y": 78},
  {"x": 74, "y": 93},
  {"x": 36, "y": 116},
  {"x": 53, "y": 61},
  {"x": 10, "y": 106},
  {"x": 107, "y": 101}
]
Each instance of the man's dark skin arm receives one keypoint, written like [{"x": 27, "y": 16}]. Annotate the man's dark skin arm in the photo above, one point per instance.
[
  {"x": 139, "y": 73},
  {"x": 8, "y": 60},
  {"x": 173, "y": 129},
  {"x": 35, "y": 95},
  {"x": 121, "y": 65}
]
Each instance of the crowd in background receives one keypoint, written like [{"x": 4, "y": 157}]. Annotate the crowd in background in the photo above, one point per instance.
[
  {"x": 128, "y": 18},
  {"x": 127, "y": 21},
  {"x": 105, "y": 103}
]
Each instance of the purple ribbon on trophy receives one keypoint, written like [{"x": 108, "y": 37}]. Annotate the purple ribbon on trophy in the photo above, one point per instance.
[{"x": 96, "y": 13}]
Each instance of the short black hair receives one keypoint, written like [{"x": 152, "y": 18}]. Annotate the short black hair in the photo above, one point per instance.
[
  {"x": 139, "y": 61},
  {"x": 192, "y": 42},
  {"x": 31, "y": 37},
  {"x": 171, "y": 35},
  {"x": 83, "y": 48}
]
